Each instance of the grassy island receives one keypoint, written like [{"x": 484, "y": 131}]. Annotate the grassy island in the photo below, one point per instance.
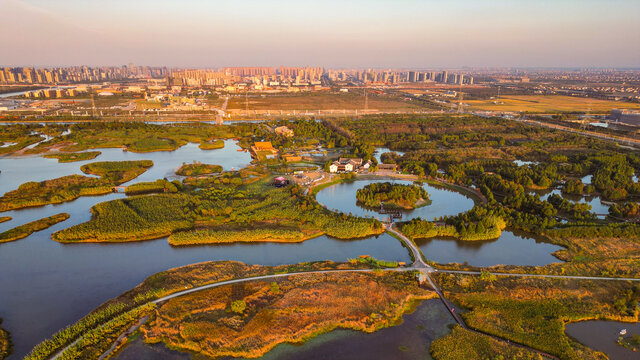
[
  {"x": 211, "y": 145},
  {"x": 158, "y": 186},
  {"x": 198, "y": 168},
  {"x": 230, "y": 209},
  {"x": 71, "y": 157},
  {"x": 71, "y": 187},
  {"x": 4, "y": 218},
  {"x": 391, "y": 195},
  {"x": 219, "y": 236},
  {"x": 117, "y": 172},
  {"x": 132, "y": 136},
  {"x": 54, "y": 191},
  {"x": 630, "y": 342},
  {"x": 27, "y": 229},
  {"x": 221, "y": 322},
  {"x": 487, "y": 228}
]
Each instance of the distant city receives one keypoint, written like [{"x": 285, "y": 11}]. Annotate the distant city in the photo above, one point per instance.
[{"x": 178, "y": 92}]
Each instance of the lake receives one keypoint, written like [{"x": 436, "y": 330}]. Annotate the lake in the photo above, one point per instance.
[{"x": 342, "y": 197}]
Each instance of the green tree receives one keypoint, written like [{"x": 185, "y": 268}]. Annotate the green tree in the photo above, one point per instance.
[{"x": 238, "y": 306}]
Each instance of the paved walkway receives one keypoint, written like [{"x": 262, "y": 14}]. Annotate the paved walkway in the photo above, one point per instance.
[{"x": 542, "y": 275}]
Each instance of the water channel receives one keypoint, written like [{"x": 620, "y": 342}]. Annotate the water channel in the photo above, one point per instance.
[{"x": 510, "y": 248}]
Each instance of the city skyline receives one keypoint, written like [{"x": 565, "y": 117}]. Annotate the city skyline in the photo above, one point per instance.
[{"x": 353, "y": 34}]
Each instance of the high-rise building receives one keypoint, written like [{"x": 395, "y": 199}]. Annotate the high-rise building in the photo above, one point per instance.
[{"x": 444, "y": 76}]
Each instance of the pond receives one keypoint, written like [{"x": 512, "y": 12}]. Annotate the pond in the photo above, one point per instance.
[
  {"x": 342, "y": 197},
  {"x": 509, "y": 249},
  {"x": 597, "y": 206},
  {"x": 381, "y": 150},
  {"x": 602, "y": 335},
  {"x": 409, "y": 340}
]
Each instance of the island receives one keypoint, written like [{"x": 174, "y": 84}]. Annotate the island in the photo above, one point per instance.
[
  {"x": 198, "y": 168},
  {"x": 27, "y": 229},
  {"x": 235, "y": 207},
  {"x": 287, "y": 303},
  {"x": 71, "y": 187},
  {"x": 392, "y": 195},
  {"x": 76, "y": 156}
]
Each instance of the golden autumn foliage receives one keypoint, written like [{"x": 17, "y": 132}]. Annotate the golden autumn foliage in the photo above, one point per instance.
[
  {"x": 534, "y": 311},
  {"x": 303, "y": 306}
]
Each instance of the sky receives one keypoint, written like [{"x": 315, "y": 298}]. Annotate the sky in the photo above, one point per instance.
[{"x": 329, "y": 33}]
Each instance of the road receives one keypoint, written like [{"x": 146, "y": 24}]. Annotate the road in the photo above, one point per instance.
[
  {"x": 542, "y": 275},
  {"x": 256, "y": 278},
  {"x": 234, "y": 281},
  {"x": 418, "y": 260},
  {"x": 618, "y": 139}
]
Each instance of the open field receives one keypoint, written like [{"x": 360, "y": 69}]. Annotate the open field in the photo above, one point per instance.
[
  {"x": 321, "y": 101},
  {"x": 549, "y": 104}
]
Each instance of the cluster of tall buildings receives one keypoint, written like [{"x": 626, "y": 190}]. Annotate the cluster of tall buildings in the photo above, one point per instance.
[
  {"x": 394, "y": 77},
  {"x": 201, "y": 77},
  {"x": 266, "y": 76},
  {"x": 77, "y": 74}
]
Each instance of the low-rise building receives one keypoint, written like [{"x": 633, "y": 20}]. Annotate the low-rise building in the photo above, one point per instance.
[
  {"x": 345, "y": 165},
  {"x": 284, "y": 131},
  {"x": 264, "y": 148},
  {"x": 625, "y": 116}
]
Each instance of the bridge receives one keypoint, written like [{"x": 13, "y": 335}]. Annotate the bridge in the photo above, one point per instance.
[{"x": 393, "y": 214}]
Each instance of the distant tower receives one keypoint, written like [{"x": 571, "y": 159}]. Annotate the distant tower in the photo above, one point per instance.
[
  {"x": 445, "y": 75},
  {"x": 460, "y": 95},
  {"x": 366, "y": 100}
]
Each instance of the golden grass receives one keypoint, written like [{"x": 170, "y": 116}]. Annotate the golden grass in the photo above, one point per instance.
[
  {"x": 549, "y": 104},
  {"x": 293, "y": 310},
  {"x": 320, "y": 101}
]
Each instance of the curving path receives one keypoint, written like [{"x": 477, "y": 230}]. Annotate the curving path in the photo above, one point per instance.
[
  {"x": 235, "y": 281},
  {"x": 576, "y": 277}
]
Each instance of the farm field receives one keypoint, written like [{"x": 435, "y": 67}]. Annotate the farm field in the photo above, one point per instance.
[
  {"x": 549, "y": 104},
  {"x": 320, "y": 101}
]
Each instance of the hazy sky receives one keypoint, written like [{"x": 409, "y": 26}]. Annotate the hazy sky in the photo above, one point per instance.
[{"x": 340, "y": 33}]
